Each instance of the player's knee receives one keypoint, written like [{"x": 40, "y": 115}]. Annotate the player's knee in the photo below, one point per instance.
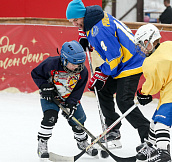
[{"x": 50, "y": 118}]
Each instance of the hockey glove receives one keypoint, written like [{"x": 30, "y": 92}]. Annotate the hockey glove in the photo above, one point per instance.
[
  {"x": 143, "y": 99},
  {"x": 48, "y": 91},
  {"x": 70, "y": 109},
  {"x": 82, "y": 39},
  {"x": 98, "y": 80}
]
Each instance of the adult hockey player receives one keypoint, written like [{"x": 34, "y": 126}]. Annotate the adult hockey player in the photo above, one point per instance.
[
  {"x": 157, "y": 69},
  {"x": 121, "y": 70},
  {"x": 63, "y": 77}
]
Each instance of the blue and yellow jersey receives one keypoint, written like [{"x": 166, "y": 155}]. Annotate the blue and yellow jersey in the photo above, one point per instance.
[{"x": 113, "y": 41}]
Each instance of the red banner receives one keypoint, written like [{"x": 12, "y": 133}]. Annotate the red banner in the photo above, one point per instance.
[
  {"x": 38, "y": 8},
  {"x": 23, "y": 47}
]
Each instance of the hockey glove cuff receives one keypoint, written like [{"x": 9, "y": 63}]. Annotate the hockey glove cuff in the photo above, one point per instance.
[
  {"x": 143, "y": 99},
  {"x": 98, "y": 80},
  {"x": 70, "y": 109}
]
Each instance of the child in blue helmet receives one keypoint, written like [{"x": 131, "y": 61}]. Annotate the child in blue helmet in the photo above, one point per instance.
[{"x": 63, "y": 77}]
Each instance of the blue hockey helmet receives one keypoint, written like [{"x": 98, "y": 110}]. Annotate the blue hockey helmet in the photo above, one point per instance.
[{"x": 74, "y": 53}]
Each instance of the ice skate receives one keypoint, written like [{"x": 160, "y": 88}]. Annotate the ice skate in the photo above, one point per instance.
[
  {"x": 113, "y": 140},
  {"x": 161, "y": 156},
  {"x": 146, "y": 153},
  {"x": 91, "y": 151},
  {"x": 143, "y": 145},
  {"x": 42, "y": 149},
  {"x": 149, "y": 153},
  {"x": 158, "y": 155}
]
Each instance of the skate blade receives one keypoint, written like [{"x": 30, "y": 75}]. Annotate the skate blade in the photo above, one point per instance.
[{"x": 116, "y": 144}]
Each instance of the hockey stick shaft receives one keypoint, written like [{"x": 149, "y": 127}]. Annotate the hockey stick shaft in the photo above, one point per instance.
[
  {"x": 96, "y": 94},
  {"x": 100, "y": 136}
]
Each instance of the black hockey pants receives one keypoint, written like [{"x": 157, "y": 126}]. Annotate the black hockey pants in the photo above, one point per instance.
[{"x": 125, "y": 89}]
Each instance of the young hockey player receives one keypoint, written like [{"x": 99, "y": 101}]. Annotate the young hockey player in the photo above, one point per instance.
[
  {"x": 63, "y": 77},
  {"x": 157, "y": 69},
  {"x": 122, "y": 67}
]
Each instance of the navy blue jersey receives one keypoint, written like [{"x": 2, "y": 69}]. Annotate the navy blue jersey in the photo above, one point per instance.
[{"x": 70, "y": 86}]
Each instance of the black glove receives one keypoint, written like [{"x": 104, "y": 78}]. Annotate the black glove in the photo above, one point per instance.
[
  {"x": 48, "y": 91},
  {"x": 82, "y": 39},
  {"x": 70, "y": 109},
  {"x": 143, "y": 99},
  {"x": 84, "y": 43}
]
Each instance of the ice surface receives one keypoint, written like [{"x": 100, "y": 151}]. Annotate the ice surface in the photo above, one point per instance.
[{"x": 20, "y": 117}]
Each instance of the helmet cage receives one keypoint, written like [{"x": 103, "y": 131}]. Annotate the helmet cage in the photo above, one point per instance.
[
  {"x": 141, "y": 48},
  {"x": 77, "y": 70},
  {"x": 148, "y": 33}
]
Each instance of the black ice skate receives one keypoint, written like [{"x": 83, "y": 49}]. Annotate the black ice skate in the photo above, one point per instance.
[
  {"x": 161, "y": 156},
  {"x": 146, "y": 152},
  {"x": 143, "y": 145},
  {"x": 42, "y": 148},
  {"x": 91, "y": 151},
  {"x": 158, "y": 155}
]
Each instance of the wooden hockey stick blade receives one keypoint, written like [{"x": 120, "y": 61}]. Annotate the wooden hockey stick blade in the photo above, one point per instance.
[
  {"x": 55, "y": 157},
  {"x": 58, "y": 158}
]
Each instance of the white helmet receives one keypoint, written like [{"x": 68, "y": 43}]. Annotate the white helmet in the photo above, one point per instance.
[{"x": 147, "y": 32}]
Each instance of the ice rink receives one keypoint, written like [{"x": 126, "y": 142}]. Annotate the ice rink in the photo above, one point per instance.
[{"x": 20, "y": 117}]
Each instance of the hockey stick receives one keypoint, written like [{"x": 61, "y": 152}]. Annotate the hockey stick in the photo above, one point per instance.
[
  {"x": 103, "y": 152},
  {"x": 54, "y": 157},
  {"x": 96, "y": 94}
]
